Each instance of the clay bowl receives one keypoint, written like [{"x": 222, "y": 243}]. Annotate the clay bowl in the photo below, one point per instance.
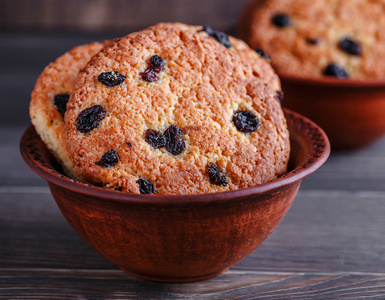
[
  {"x": 352, "y": 112},
  {"x": 179, "y": 238}
]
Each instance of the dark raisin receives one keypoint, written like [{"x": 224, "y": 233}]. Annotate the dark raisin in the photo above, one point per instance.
[
  {"x": 129, "y": 144},
  {"x": 109, "y": 159},
  {"x": 262, "y": 53},
  {"x": 112, "y": 78},
  {"x": 221, "y": 37},
  {"x": 145, "y": 186},
  {"x": 335, "y": 71},
  {"x": 60, "y": 102},
  {"x": 209, "y": 30},
  {"x": 149, "y": 75},
  {"x": 155, "y": 138},
  {"x": 216, "y": 175},
  {"x": 156, "y": 63},
  {"x": 90, "y": 118},
  {"x": 245, "y": 121},
  {"x": 351, "y": 47},
  {"x": 175, "y": 141},
  {"x": 279, "y": 96},
  {"x": 281, "y": 20},
  {"x": 311, "y": 41}
]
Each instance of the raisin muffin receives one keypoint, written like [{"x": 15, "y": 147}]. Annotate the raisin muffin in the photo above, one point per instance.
[
  {"x": 174, "y": 109},
  {"x": 340, "y": 38},
  {"x": 49, "y": 99}
]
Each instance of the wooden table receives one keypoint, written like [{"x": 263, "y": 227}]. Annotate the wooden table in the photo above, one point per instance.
[{"x": 331, "y": 244}]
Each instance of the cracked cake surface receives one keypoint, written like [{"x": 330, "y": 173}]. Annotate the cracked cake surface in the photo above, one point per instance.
[{"x": 192, "y": 115}]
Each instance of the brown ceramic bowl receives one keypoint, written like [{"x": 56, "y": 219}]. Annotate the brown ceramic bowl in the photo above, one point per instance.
[
  {"x": 179, "y": 238},
  {"x": 352, "y": 112}
]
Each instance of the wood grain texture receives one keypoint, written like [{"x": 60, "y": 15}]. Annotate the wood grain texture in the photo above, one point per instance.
[
  {"x": 23, "y": 56},
  {"x": 116, "y": 14},
  {"x": 322, "y": 232},
  {"x": 13, "y": 170},
  {"x": 96, "y": 284}
]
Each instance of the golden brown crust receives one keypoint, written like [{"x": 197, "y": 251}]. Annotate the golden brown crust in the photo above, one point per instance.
[
  {"x": 326, "y": 20},
  {"x": 201, "y": 87},
  {"x": 58, "y": 78},
  {"x": 261, "y": 67}
]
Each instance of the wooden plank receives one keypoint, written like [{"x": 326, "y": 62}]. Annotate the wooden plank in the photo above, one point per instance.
[
  {"x": 101, "y": 284},
  {"x": 354, "y": 171},
  {"x": 22, "y": 57},
  {"x": 116, "y": 14},
  {"x": 324, "y": 231},
  {"x": 33, "y": 233},
  {"x": 13, "y": 170}
]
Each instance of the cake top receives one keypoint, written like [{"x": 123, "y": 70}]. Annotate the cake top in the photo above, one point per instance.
[
  {"x": 49, "y": 100},
  {"x": 340, "y": 38},
  {"x": 175, "y": 109}
]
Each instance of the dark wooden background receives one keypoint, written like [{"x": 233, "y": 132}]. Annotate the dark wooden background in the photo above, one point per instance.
[
  {"x": 101, "y": 15},
  {"x": 331, "y": 244}
]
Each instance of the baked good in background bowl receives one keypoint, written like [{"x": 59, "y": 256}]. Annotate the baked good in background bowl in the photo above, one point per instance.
[
  {"x": 176, "y": 109},
  {"x": 329, "y": 56},
  {"x": 344, "y": 39}
]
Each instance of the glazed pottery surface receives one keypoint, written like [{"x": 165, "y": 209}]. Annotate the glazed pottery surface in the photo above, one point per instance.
[
  {"x": 179, "y": 238},
  {"x": 352, "y": 112}
]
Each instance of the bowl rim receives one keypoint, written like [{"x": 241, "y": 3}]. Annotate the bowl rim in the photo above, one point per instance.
[
  {"x": 318, "y": 153},
  {"x": 333, "y": 81}
]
